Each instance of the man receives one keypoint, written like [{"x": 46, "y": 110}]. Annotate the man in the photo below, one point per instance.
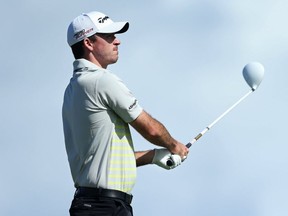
[{"x": 97, "y": 111}]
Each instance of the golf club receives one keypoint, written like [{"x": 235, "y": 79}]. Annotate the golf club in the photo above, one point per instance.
[{"x": 253, "y": 74}]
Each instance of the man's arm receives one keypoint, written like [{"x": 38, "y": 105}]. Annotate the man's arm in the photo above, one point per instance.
[
  {"x": 156, "y": 133},
  {"x": 144, "y": 157}
]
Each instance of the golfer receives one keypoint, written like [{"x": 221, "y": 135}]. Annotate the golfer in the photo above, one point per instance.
[{"x": 97, "y": 111}]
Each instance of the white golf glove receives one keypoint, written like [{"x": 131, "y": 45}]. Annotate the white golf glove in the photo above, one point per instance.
[{"x": 161, "y": 157}]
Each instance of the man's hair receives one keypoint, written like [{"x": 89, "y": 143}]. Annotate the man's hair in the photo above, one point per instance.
[{"x": 78, "y": 49}]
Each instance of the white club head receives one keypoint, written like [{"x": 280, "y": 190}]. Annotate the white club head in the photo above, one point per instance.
[{"x": 253, "y": 74}]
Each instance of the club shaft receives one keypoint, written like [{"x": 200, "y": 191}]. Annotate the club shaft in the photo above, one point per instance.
[
  {"x": 170, "y": 161},
  {"x": 218, "y": 119}
]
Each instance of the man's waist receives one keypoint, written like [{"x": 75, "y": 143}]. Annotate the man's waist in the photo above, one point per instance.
[{"x": 100, "y": 192}]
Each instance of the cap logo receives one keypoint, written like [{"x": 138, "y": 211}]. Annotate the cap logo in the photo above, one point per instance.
[
  {"x": 81, "y": 33},
  {"x": 102, "y": 19}
]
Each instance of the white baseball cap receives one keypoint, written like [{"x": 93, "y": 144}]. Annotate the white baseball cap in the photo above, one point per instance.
[{"x": 88, "y": 24}]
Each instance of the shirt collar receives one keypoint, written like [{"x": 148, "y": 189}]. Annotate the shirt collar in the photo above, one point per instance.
[{"x": 80, "y": 65}]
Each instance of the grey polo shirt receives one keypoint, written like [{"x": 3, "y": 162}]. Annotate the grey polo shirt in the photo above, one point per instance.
[{"x": 96, "y": 111}]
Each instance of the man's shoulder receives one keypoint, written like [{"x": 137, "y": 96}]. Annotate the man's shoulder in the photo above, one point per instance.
[{"x": 108, "y": 80}]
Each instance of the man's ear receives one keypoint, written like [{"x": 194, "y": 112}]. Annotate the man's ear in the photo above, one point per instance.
[{"x": 88, "y": 44}]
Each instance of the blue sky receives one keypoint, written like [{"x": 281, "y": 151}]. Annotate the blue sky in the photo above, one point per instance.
[{"x": 183, "y": 60}]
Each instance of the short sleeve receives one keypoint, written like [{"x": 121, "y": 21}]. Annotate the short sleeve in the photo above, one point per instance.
[{"x": 118, "y": 97}]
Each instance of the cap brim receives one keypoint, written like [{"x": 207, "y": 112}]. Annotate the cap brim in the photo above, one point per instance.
[{"x": 116, "y": 28}]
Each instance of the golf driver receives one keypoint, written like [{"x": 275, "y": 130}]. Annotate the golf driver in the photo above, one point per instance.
[{"x": 253, "y": 74}]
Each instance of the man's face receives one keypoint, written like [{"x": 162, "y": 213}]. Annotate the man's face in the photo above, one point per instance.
[{"x": 106, "y": 49}]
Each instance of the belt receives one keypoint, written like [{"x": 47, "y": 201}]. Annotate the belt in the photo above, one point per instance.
[{"x": 100, "y": 192}]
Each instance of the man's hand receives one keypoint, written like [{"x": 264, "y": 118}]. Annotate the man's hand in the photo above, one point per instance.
[{"x": 161, "y": 156}]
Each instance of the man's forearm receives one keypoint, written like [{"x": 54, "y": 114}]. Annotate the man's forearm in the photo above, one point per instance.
[
  {"x": 154, "y": 131},
  {"x": 144, "y": 157}
]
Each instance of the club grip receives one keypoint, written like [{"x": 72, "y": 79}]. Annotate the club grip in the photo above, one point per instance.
[{"x": 170, "y": 161}]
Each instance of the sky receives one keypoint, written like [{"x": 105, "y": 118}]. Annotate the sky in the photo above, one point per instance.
[{"x": 183, "y": 61}]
